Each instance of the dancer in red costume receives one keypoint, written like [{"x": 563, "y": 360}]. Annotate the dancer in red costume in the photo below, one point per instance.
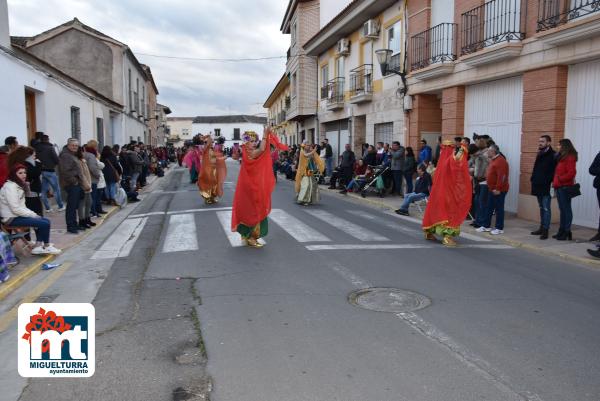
[
  {"x": 252, "y": 199},
  {"x": 450, "y": 198},
  {"x": 212, "y": 171}
]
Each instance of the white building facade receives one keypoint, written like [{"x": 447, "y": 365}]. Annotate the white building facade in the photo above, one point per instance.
[{"x": 230, "y": 127}]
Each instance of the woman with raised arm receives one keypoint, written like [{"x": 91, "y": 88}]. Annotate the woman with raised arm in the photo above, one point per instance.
[{"x": 252, "y": 199}]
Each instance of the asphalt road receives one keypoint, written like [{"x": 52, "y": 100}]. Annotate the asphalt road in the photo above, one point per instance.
[{"x": 277, "y": 323}]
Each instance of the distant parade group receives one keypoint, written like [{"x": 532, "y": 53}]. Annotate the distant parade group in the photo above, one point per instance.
[{"x": 448, "y": 205}]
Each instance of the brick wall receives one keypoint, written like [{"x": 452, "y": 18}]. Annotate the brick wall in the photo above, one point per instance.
[
  {"x": 426, "y": 116},
  {"x": 461, "y": 6},
  {"x": 544, "y": 109},
  {"x": 453, "y": 112},
  {"x": 419, "y": 19}
]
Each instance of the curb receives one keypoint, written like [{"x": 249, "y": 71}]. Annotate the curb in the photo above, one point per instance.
[
  {"x": 17, "y": 281},
  {"x": 516, "y": 244}
]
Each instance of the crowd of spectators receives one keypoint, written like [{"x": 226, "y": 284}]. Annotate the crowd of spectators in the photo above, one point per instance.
[{"x": 80, "y": 178}]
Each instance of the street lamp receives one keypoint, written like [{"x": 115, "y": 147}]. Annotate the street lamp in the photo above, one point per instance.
[{"x": 384, "y": 57}]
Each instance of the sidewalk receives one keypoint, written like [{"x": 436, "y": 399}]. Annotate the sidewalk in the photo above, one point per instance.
[
  {"x": 516, "y": 230},
  {"x": 30, "y": 265}
]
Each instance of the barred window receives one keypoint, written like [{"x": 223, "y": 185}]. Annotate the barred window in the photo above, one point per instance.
[{"x": 384, "y": 132}]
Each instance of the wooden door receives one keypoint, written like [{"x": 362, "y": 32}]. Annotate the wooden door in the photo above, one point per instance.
[{"x": 30, "y": 114}]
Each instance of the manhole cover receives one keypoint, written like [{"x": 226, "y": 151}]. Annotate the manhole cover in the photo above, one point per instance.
[{"x": 391, "y": 300}]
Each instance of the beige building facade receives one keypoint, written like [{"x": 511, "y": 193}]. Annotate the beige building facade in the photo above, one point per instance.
[
  {"x": 357, "y": 104},
  {"x": 278, "y": 105},
  {"x": 180, "y": 130}
]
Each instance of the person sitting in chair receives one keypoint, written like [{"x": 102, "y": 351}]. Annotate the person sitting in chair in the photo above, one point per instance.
[
  {"x": 422, "y": 187},
  {"x": 15, "y": 214},
  {"x": 359, "y": 181}
]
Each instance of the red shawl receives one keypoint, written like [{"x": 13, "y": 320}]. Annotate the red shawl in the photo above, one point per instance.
[
  {"x": 252, "y": 199},
  {"x": 450, "y": 198}
]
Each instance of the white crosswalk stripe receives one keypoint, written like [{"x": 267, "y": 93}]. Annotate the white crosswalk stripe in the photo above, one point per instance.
[
  {"x": 120, "y": 243},
  {"x": 234, "y": 238},
  {"x": 300, "y": 231},
  {"x": 349, "y": 228},
  {"x": 181, "y": 234},
  {"x": 394, "y": 225}
]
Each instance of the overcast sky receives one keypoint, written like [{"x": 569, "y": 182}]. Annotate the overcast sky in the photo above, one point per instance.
[{"x": 183, "y": 28}]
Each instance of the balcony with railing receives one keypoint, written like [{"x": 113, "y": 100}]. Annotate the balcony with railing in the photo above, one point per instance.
[
  {"x": 552, "y": 13},
  {"x": 434, "y": 47},
  {"x": 324, "y": 91},
  {"x": 335, "y": 93},
  {"x": 494, "y": 23},
  {"x": 361, "y": 84}
]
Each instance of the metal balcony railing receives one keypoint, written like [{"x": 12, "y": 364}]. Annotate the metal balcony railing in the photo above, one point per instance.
[
  {"x": 335, "y": 90},
  {"x": 288, "y": 102},
  {"x": 552, "y": 13},
  {"x": 361, "y": 80},
  {"x": 324, "y": 91},
  {"x": 494, "y": 22},
  {"x": 435, "y": 45}
]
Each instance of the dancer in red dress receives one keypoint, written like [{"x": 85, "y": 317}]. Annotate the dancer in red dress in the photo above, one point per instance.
[
  {"x": 252, "y": 199},
  {"x": 450, "y": 199}
]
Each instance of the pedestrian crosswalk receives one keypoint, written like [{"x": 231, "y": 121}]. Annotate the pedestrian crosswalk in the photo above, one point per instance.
[{"x": 183, "y": 235}]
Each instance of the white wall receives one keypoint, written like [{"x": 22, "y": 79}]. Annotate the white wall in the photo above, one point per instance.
[
  {"x": 227, "y": 130},
  {"x": 329, "y": 9},
  {"x": 4, "y": 32},
  {"x": 53, "y": 104}
]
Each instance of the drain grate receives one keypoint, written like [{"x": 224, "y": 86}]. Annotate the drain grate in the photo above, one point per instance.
[{"x": 392, "y": 300}]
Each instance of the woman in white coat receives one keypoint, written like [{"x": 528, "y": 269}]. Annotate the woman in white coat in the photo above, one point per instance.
[{"x": 15, "y": 214}]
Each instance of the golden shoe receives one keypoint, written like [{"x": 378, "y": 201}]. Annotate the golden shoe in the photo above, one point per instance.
[
  {"x": 253, "y": 243},
  {"x": 430, "y": 237},
  {"x": 449, "y": 241}
]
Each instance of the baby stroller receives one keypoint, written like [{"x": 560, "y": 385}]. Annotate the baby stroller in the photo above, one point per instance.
[{"x": 377, "y": 182}]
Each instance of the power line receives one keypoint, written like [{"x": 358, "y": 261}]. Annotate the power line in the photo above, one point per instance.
[{"x": 231, "y": 60}]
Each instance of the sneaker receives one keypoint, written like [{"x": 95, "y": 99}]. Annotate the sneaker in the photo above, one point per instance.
[
  {"x": 49, "y": 211},
  {"x": 4, "y": 276},
  {"x": 39, "y": 250},
  {"x": 483, "y": 230},
  {"x": 61, "y": 209},
  {"x": 496, "y": 231},
  {"x": 401, "y": 212},
  {"x": 52, "y": 250}
]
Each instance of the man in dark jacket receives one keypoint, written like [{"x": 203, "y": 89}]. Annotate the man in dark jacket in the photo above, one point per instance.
[
  {"x": 70, "y": 178},
  {"x": 347, "y": 165},
  {"x": 422, "y": 188},
  {"x": 328, "y": 158},
  {"x": 46, "y": 154},
  {"x": 595, "y": 171},
  {"x": 136, "y": 164},
  {"x": 541, "y": 179}
]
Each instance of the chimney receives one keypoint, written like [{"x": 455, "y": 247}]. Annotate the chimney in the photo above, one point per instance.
[{"x": 4, "y": 33}]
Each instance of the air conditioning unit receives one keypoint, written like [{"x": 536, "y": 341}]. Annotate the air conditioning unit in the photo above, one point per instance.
[
  {"x": 343, "y": 47},
  {"x": 371, "y": 29}
]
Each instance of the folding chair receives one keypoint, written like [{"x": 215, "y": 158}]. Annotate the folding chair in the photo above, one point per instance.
[{"x": 421, "y": 205}]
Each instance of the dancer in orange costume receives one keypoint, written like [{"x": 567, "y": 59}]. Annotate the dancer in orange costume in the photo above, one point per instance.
[
  {"x": 213, "y": 171},
  {"x": 252, "y": 199},
  {"x": 450, "y": 199}
]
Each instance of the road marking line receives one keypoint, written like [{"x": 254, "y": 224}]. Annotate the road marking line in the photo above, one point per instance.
[
  {"x": 8, "y": 317},
  {"x": 349, "y": 228},
  {"x": 135, "y": 216},
  {"x": 296, "y": 228},
  {"x": 120, "y": 243},
  {"x": 468, "y": 236},
  {"x": 387, "y": 223},
  {"x": 340, "y": 247},
  {"x": 235, "y": 239},
  {"x": 214, "y": 209},
  {"x": 181, "y": 234},
  {"x": 432, "y": 333}
]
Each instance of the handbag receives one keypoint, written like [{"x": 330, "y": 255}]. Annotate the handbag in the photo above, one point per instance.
[{"x": 573, "y": 190}]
